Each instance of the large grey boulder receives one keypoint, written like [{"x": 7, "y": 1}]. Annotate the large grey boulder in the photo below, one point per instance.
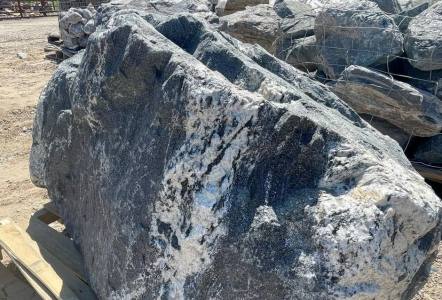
[
  {"x": 258, "y": 24},
  {"x": 187, "y": 164},
  {"x": 367, "y": 91},
  {"x": 225, "y": 7},
  {"x": 423, "y": 41},
  {"x": 355, "y": 33},
  {"x": 429, "y": 151}
]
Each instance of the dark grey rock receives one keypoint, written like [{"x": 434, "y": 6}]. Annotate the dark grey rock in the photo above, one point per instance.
[
  {"x": 187, "y": 164},
  {"x": 367, "y": 91},
  {"x": 430, "y": 81},
  {"x": 225, "y": 7},
  {"x": 404, "y": 17},
  {"x": 355, "y": 33},
  {"x": 389, "y": 129},
  {"x": 423, "y": 41},
  {"x": 258, "y": 24},
  {"x": 296, "y": 44},
  {"x": 389, "y": 6},
  {"x": 298, "y": 20},
  {"x": 429, "y": 151},
  {"x": 302, "y": 53}
]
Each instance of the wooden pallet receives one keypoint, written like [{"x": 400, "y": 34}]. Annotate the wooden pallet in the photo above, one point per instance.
[{"x": 47, "y": 259}]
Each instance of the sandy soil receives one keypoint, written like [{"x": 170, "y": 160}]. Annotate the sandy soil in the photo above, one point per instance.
[{"x": 21, "y": 81}]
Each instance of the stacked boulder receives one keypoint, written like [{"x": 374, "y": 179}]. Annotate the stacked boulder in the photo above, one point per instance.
[
  {"x": 187, "y": 164},
  {"x": 382, "y": 57},
  {"x": 76, "y": 25}
]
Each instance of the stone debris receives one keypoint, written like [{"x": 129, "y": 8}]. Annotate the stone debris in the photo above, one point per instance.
[
  {"x": 187, "y": 164},
  {"x": 76, "y": 25},
  {"x": 22, "y": 55}
]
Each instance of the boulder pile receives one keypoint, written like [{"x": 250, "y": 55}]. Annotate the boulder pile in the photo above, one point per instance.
[
  {"x": 384, "y": 58},
  {"x": 76, "y": 25},
  {"x": 188, "y": 164}
]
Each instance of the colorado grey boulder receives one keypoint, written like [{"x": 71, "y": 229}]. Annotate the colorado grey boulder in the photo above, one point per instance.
[{"x": 187, "y": 164}]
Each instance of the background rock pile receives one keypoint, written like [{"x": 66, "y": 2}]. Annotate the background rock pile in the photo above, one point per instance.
[
  {"x": 190, "y": 165},
  {"x": 76, "y": 25},
  {"x": 382, "y": 57}
]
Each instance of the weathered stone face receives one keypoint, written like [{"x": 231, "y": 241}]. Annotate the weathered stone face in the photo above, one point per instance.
[
  {"x": 189, "y": 165},
  {"x": 258, "y": 24},
  {"x": 415, "y": 111},
  {"x": 355, "y": 33},
  {"x": 423, "y": 42}
]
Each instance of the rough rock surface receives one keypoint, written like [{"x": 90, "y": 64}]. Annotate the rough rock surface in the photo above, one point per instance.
[
  {"x": 430, "y": 81},
  {"x": 429, "y": 151},
  {"x": 389, "y": 129},
  {"x": 225, "y": 7},
  {"x": 76, "y": 25},
  {"x": 355, "y": 32},
  {"x": 297, "y": 33},
  {"x": 390, "y": 6},
  {"x": 187, "y": 164},
  {"x": 404, "y": 18},
  {"x": 258, "y": 24},
  {"x": 407, "y": 4},
  {"x": 423, "y": 39},
  {"x": 301, "y": 53},
  {"x": 367, "y": 91}
]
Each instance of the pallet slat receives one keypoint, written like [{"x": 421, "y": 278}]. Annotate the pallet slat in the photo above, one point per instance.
[
  {"x": 57, "y": 245},
  {"x": 48, "y": 271}
]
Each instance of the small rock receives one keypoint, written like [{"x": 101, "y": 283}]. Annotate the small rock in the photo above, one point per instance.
[{"x": 22, "y": 55}]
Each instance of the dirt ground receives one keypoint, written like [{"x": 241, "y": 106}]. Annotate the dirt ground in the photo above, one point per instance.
[{"x": 21, "y": 81}]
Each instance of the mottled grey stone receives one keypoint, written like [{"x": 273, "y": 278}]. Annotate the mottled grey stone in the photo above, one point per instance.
[
  {"x": 404, "y": 17},
  {"x": 355, "y": 33},
  {"x": 389, "y": 6},
  {"x": 302, "y": 53},
  {"x": 187, "y": 164},
  {"x": 429, "y": 150},
  {"x": 423, "y": 41},
  {"x": 430, "y": 81},
  {"x": 258, "y": 24},
  {"x": 389, "y": 129},
  {"x": 225, "y": 7},
  {"x": 367, "y": 91}
]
